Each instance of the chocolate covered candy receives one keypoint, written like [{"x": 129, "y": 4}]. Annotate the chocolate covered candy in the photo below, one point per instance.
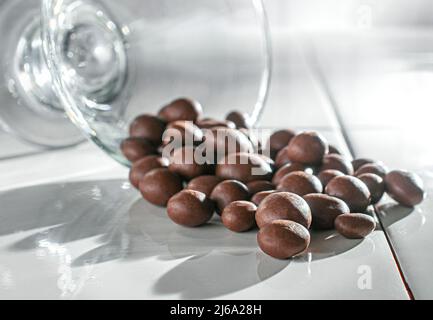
[
  {"x": 182, "y": 133},
  {"x": 227, "y": 192},
  {"x": 351, "y": 190},
  {"x": 135, "y": 148},
  {"x": 159, "y": 185},
  {"x": 300, "y": 183},
  {"x": 181, "y": 109},
  {"x": 405, "y": 187},
  {"x": 279, "y": 140},
  {"x": 239, "y": 216},
  {"x": 184, "y": 163},
  {"x": 282, "y": 158},
  {"x": 358, "y": 163},
  {"x": 148, "y": 127},
  {"x": 143, "y": 166},
  {"x": 204, "y": 184},
  {"x": 260, "y": 196},
  {"x": 336, "y": 162},
  {"x": 286, "y": 169},
  {"x": 375, "y": 168},
  {"x": 327, "y": 175},
  {"x": 308, "y": 148},
  {"x": 355, "y": 225},
  {"x": 259, "y": 186},
  {"x": 375, "y": 184},
  {"x": 240, "y": 119}
]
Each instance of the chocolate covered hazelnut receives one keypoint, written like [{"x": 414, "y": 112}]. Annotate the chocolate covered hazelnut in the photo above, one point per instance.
[
  {"x": 308, "y": 148},
  {"x": 405, "y": 187},
  {"x": 351, "y": 190},
  {"x": 227, "y": 192},
  {"x": 204, "y": 184},
  {"x": 181, "y": 109},
  {"x": 135, "y": 149},
  {"x": 148, "y": 127},
  {"x": 143, "y": 166},
  {"x": 375, "y": 184},
  {"x": 300, "y": 183},
  {"x": 355, "y": 225},
  {"x": 239, "y": 216}
]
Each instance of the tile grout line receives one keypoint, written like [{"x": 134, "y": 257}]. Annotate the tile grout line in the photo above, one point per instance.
[{"x": 316, "y": 71}]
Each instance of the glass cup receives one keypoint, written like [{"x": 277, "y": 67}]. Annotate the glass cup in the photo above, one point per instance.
[{"x": 101, "y": 63}]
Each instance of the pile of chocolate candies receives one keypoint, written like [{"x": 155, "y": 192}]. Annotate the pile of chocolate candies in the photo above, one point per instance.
[{"x": 305, "y": 184}]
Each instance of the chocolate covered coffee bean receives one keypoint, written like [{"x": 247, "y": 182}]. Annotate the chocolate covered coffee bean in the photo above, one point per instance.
[
  {"x": 283, "y": 206},
  {"x": 239, "y": 216},
  {"x": 181, "y": 109},
  {"x": 135, "y": 149},
  {"x": 143, "y": 166},
  {"x": 325, "y": 209},
  {"x": 148, "y": 127},
  {"x": 283, "y": 239},
  {"x": 308, "y": 148},
  {"x": 375, "y": 184},
  {"x": 355, "y": 225},
  {"x": 204, "y": 184},
  {"x": 190, "y": 208},
  {"x": 300, "y": 183},
  {"x": 327, "y": 175},
  {"x": 405, "y": 187},
  {"x": 227, "y": 192},
  {"x": 336, "y": 162},
  {"x": 351, "y": 190}
]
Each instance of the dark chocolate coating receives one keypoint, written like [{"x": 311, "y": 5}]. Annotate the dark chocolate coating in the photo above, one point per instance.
[
  {"x": 148, "y": 127},
  {"x": 351, "y": 190},
  {"x": 282, "y": 158},
  {"x": 327, "y": 175},
  {"x": 241, "y": 120},
  {"x": 333, "y": 150},
  {"x": 405, "y": 187},
  {"x": 325, "y": 209},
  {"x": 239, "y": 216},
  {"x": 190, "y": 208},
  {"x": 358, "y": 163},
  {"x": 375, "y": 168},
  {"x": 159, "y": 185},
  {"x": 286, "y": 169},
  {"x": 375, "y": 184},
  {"x": 135, "y": 149},
  {"x": 279, "y": 140},
  {"x": 259, "y": 186},
  {"x": 182, "y": 133},
  {"x": 245, "y": 167},
  {"x": 255, "y": 141},
  {"x": 204, "y": 184},
  {"x": 208, "y": 123},
  {"x": 260, "y": 196},
  {"x": 337, "y": 162},
  {"x": 143, "y": 166},
  {"x": 283, "y": 239},
  {"x": 224, "y": 141},
  {"x": 227, "y": 192},
  {"x": 184, "y": 164},
  {"x": 308, "y": 148},
  {"x": 355, "y": 225},
  {"x": 181, "y": 109},
  {"x": 300, "y": 183},
  {"x": 283, "y": 206}
]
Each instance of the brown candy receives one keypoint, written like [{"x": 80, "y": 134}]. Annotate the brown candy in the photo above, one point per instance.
[
  {"x": 300, "y": 183},
  {"x": 351, "y": 190},
  {"x": 159, "y": 185},
  {"x": 245, "y": 167},
  {"x": 375, "y": 168},
  {"x": 239, "y": 216},
  {"x": 282, "y": 158},
  {"x": 181, "y": 133},
  {"x": 283, "y": 239},
  {"x": 358, "y": 163},
  {"x": 260, "y": 196},
  {"x": 355, "y": 225},
  {"x": 241, "y": 120},
  {"x": 283, "y": 206},
  {"x": 308, "y": 148},
  {"x": 375, "y": 184},
  {"x": 184, "y": 163},
  {"x": 325, "y": 209},
  {"x": 143, "y": 166},
  {"x": 181, "y": 109},
  {"x": 334, "y": 150},
  {"x": 135, "y": 149},
  {"x": 259, "y": 186},
  {"x": 190, "y": 208},
  {"x": 279, "y": 140},
  {"x": 148, "y": 127},
  {"x": 227, "y": 192},
  {"x": 204, "y": 184},
  {"x": 209, "y": 123},
  {"x": 224, "y": 141},
  {"x": 337, "y": 162},
  {"x": 405, "y": 187},
  {"x": 327, "y": 175},
  {"x": 286, "y": 169}
]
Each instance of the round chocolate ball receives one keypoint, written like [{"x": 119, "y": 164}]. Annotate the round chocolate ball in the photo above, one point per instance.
[
  {"x": 351, "y": 190},
  {"x": 148, "y": 127},
  {"x": 283, "y": 206},
  {"x": 327, "y": 175},
  {"x": 308, "y": 148},
  {"x": 283, "y": 239},
  {"x": 260, "y": 196},
  {"x": 300, "y": 183},
  {"x": 204, "y": 184},
  {"x": 279, "y": 140},
  {"x": 208, "y": 123},
  {"x": 184, "y": 163},
  {"x": 227, "y": 192},
  {"x": 405, "y": 187},
  {"x": 181, "y": 109},
  {"x": 224, "y": 141},
  {"x": 282, "y": 158},
  {"x": 336, "y": 162},
  {"x": 286, "y": 169},
  {"x": 241, "y": 120},
  {"x": 358, "y": 163},
  {"x": 375, "y": 168},
  {"x": 159, "y": 185},
  {"x": 190, "y": 208},
  {"x": 143, "y": 166},
  {"x": 135, "y": 149},
  {"x": 355, "y": 225},
  {"x": 325, "y": 209},
  {"x": 239, "y": 216},
  {"x": 259, "y": 186},
  {"x": 245, "y": 167},
  {"x": 182, "y": 133},
  {"x": 375, "y": 184}
]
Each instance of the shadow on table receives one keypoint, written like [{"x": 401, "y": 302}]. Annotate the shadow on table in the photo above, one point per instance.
[{"x": 215, "y": 260}]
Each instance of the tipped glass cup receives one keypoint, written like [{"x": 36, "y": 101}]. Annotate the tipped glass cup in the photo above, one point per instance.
[{"x": 98, "y": 64}]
